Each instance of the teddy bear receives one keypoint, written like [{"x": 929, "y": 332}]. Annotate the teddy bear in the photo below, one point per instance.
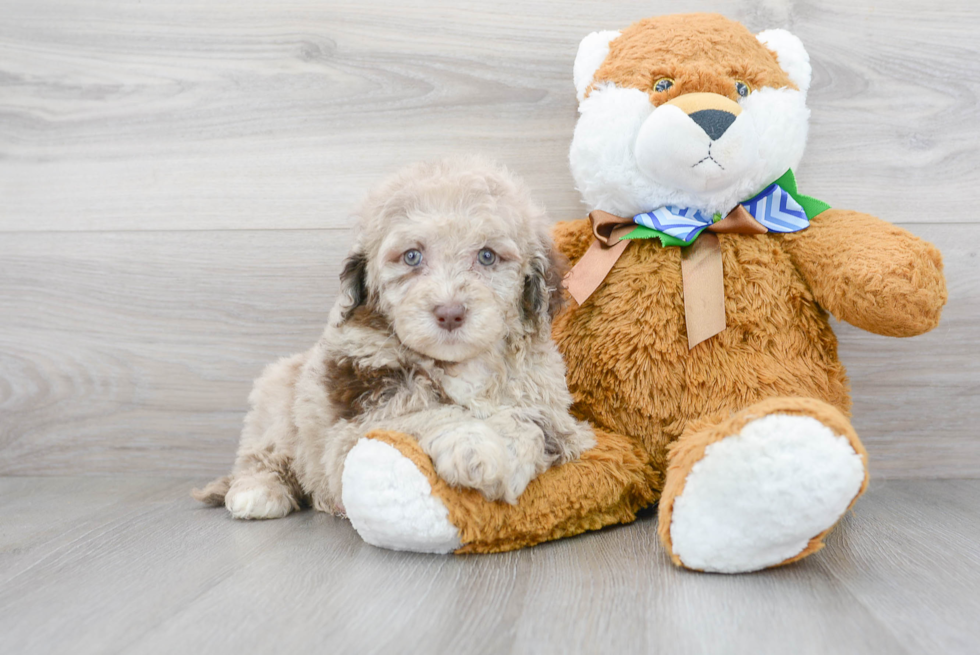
[{"x": 696, "y": 336}]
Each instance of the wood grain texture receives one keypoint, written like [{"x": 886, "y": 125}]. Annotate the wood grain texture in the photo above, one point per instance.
[
  {"x": 133, "y": 565},
  {"x": 258, "y": 114},
  {"x": 909, "y": 549},
  {"x": 176, "y": 182},
  {"x": 135, "y": 351}
]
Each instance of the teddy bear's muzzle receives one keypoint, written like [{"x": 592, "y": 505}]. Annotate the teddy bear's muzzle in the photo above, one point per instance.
[{"x": 712, "y": 112}]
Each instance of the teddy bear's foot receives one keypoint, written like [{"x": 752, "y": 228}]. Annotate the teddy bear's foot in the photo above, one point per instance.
[
  {"x": 395, "y": 499},
  {"x": 762, "y": 488},
  {"x": 390, "y": 502}
]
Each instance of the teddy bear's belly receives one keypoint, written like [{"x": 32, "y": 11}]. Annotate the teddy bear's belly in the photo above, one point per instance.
[{"x": 629, "y": 366}]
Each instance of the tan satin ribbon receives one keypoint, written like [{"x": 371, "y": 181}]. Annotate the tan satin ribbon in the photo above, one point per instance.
[{"x": 701, "y": 269}]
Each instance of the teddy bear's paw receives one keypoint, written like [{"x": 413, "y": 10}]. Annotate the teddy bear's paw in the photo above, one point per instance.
[
  {"x": 757, "y": 498},
  {"x": 249, "y": 498},
  {"x": 390, "y": 503}
]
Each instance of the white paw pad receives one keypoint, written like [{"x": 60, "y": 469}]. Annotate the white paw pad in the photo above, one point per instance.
[
  {"x": 390, "y": 503},
  {"x": 256, "y": 502},
  {"x": 757, "y": 498}
]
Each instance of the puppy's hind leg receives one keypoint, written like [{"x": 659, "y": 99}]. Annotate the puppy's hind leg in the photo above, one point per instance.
[
  {"x": 263, "y": 484},
  {"x": 263, "y": 493}
]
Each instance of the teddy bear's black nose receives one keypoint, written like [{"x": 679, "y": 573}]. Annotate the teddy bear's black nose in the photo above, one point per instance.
[{"x": 714, "y": 122}]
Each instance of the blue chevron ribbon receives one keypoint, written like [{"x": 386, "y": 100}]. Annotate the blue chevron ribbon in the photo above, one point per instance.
[
  {"x": 773, "y": 207},
  {"x": 684, "y": 224},
  {"x": 777, "y": 210}
]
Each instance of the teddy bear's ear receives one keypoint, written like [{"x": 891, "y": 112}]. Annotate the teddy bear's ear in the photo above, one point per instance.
[
  {"x": 592, "y": 52},
  {"x": 791, "y": 55}
]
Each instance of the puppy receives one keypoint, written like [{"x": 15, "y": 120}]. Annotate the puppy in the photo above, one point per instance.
[{"x": 442, "y": 331}]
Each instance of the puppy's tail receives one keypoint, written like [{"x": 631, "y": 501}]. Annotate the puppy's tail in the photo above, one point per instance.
[{"x": 214, "y": 492}]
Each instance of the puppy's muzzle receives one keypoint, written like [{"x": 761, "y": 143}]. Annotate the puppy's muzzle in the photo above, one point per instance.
[
  {"x": 712, "y": 112},
  {"x": 451, "y": 316}
]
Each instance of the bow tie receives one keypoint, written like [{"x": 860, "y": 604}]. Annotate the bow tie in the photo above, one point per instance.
[
  {"x": 772, "y": 210},
  {"x": 777, "y": 208}
]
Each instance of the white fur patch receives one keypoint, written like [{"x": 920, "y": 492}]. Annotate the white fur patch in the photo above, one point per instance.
[
  {"x": 619, "y": 134},
  {"x": 601, "y": 154},
  {"x": 791, "y": 54},
  {"x": 757, "y": 498},
  {"x": 390, "y": 503},
  {"x": 466, "y": 381},
  {"x": 256, "y": 503},
  {"x": 592, "y": 51}
]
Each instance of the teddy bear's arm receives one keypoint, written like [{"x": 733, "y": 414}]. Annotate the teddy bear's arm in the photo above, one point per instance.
[{"x": 870, "y": 273}]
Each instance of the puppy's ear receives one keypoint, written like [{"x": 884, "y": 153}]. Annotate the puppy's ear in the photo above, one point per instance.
[
  {"x": 542, "y": 296},
  {"x": 353, "y": 283}
]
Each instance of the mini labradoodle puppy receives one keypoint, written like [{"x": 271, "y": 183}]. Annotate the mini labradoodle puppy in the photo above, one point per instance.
[{"x": 442, "y": 331}]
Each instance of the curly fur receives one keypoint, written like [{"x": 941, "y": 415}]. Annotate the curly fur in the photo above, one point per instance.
[
  {"x": 486, "y": 401},
  {"x": 657, "y": 405}
]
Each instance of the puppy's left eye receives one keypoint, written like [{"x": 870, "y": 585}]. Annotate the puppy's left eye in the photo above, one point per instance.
[
  {"x": 742, "y": 88},
  {"x": 487, "y": 257},
  {"x": 412, "y": 257}
]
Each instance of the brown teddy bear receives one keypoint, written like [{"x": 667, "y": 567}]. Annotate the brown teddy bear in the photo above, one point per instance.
[{"x": 698, "y": 345}]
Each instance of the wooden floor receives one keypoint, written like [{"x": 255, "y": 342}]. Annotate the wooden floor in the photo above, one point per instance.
[
  {"x": 176, "y": 181},
  {"x": 133, "y": 565}
]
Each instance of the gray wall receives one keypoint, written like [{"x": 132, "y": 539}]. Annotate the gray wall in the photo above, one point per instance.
[{"x": 176, "y": 179}]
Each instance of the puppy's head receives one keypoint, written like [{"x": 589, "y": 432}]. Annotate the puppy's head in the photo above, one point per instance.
[{"x": 454, "y": 257}]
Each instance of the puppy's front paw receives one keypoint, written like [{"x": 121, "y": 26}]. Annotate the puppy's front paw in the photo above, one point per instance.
[{"x": 472, "y": 454}]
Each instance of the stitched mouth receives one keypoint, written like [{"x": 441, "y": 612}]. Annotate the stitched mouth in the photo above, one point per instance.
[{"x": 709, "y": 158}]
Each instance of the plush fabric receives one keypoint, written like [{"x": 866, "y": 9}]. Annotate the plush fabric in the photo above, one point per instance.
[
  {"x": 694, "y": 50},
  {"x": 756, "y": 418},
  {"x": 616, "y": 475},
  {"x": 686, "y": 453}
]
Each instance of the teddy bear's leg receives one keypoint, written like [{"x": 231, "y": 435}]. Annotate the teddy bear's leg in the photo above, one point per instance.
[
  {"x": 395, "y": 499},
  {"x": 760, "y": 488}
]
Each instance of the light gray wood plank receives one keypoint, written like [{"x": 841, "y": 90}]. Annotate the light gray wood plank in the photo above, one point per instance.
[
  {"x": 256, "y": 114},
  {"x": 905, "y": 552},
  {"x": 366, "y": 600},
  {"x": 136, "y": 351},
  {"x": 132, "y": 351},
  {"x": 41, "y": 519},
  {"x": 156, "y": 574},
  {"x": 626, "y": 596},
  {"x": 100, "y": 583}
]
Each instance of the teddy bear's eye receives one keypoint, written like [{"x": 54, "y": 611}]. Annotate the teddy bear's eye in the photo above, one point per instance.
[
  {"x": 412, "y": 257},
  {"x": 742, "y": 88},
  {"x": 663, "y": 84}
]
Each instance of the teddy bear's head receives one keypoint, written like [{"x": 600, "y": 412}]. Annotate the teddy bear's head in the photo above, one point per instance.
[{"x": 687, "y": 110}]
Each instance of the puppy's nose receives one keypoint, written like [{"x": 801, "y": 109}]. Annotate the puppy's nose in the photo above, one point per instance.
[
  {"x": 451, "y": 316},
  {"x": 714, "y": 122}
]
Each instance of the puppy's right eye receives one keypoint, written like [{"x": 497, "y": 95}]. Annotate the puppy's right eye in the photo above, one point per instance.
[
  {"x": 412, "y": 257},
  {"x": 487, "y": 257},
  {"x": 663, "y": 84}
]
